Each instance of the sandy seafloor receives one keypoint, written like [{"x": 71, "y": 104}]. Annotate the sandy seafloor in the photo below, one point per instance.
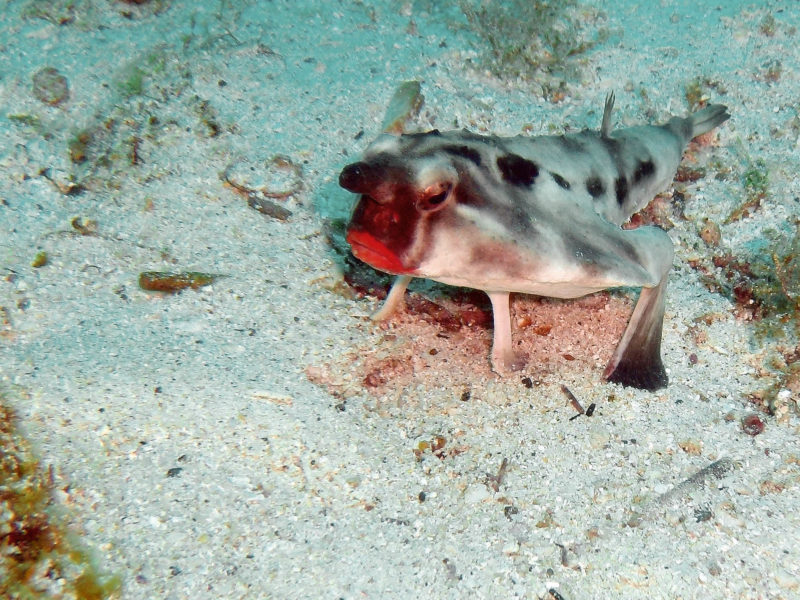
[{"x": 290, "y": 489}]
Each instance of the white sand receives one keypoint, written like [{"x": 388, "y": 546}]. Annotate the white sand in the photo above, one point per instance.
[{"x": 281, "y": 493}]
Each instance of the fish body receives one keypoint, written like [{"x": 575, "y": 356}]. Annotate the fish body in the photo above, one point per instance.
[{"x": 531, "y": 214}]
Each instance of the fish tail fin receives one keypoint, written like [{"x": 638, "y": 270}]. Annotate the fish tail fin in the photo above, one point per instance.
[
  {"x": 698, "y": 123},
  {"x": 708, "y": 118}
]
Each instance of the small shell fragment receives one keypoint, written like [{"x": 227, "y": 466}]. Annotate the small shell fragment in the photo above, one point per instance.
[
  {"x": 160, "y": 281},
  {"x": 84, "y": 226},
  {"x": 275, "y": 398},
  {"x": 62, "y": 181},
  {"x": 752, "y": 424},
  {"x": 710, "y": 233},
  {"x": 39, "y": 260},
  {"x": 267, "y": 207},
  {"x": 50, "y": 86}
]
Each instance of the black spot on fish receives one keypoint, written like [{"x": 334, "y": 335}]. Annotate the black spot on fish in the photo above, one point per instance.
[
  {"x": 464, "y": 152},
  {"x": 561, "y": 181},
  {"x": 621, "y": 189},
  {"x": 595, "y": 186},
  {"x": 517, "y": 170},
  {"x": 645, "y": 168}
]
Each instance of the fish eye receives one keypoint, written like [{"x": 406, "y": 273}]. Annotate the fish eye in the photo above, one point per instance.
[
  {"x": 438, "y": 198},
  {"x": 435, "y": 196}
]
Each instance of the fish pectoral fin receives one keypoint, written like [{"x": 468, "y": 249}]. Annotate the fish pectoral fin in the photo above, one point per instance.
[
  {"x": 394, "y": 299},
  {"x": 504, "y": 359},
  {"x": 636, "y": 361}
]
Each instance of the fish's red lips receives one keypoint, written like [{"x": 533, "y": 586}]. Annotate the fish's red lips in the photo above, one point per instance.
[{"x": 367, "y": 248}]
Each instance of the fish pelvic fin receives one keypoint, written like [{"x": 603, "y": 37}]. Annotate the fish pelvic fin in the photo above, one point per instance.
[{"x": 636, "y": 361}]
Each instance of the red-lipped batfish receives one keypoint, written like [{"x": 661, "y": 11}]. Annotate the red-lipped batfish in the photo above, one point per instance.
[{"x": 536, "y": 215}]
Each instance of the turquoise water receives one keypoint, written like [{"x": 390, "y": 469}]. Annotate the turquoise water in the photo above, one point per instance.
[{"x": 223, "y": 442}]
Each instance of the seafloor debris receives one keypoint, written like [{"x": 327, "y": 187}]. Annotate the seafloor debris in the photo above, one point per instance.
[
  {"x": 436, "y": 446},
  {"x": 554, "y": 593},
  {"x": 279, "y": 178},
  {"x": 495, "y": 481},
  {"x": 752, "y": 424},
  {"x": 39, "y": 260},
  {"x": 37, "y": 555},
  {"x": 756, "y": 183},
  {"x": 693, "y": 447},
  {"x": 133, "y": 77},
  {"x": 536, "y": 40},
  {"x": 267, "y": 207},
  {"x": 78, "y": 146},
  {"x": 62, "y": 181},
  {"x": 84, "y": 226},
  {"x": 160, "y": 281},
  {"x": 764, "y": 286},
  {"x": 710, "y": 233},
  {"x": 143, "y": 7},
  {"x": 782, "y": 397},
  {"x": 208, "y": 117},
  {"x": 572, "y": 400},
  {"x": 695, "y": 94},
  {"x": 50, "y": 86},
  {"x": 715, "y": 470},
  {"x": 766, "y": 283}
]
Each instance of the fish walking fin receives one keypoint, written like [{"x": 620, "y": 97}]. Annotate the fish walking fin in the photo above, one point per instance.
[
  {"x": 395, "y": 298},
  {"x": 636, "y": 361}
]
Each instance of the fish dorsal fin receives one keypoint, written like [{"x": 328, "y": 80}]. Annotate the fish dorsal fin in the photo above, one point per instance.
[{"x": 606, "y": 126}]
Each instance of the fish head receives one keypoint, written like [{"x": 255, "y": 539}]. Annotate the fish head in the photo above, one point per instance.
[{"x": 405, "y": 192}]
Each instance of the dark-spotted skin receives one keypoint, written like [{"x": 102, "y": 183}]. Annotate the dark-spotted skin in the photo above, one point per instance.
[
  {"x": 516, "y": 170},
  {"x": 595, "y": 186}
]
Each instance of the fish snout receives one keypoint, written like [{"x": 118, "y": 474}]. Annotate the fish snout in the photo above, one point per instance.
[
  {"x": 355, "y": 178},
  {"x": 362, "y": 177}
]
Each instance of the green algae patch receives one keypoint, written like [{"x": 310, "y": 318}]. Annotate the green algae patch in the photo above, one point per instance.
[
  {"x": 38, "y": 558},
  {"x": 535, "y": 40},
  {"x": 755, "y": 181}
]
